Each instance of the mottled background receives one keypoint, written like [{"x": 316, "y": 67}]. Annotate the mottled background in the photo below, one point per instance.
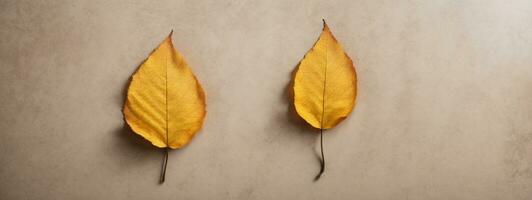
[{"x": 444, "y": 108}]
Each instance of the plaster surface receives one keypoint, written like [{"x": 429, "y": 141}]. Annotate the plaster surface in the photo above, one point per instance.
[{"x": 444, "y": 109}]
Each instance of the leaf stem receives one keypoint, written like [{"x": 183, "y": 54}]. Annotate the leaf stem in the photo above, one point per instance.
[
  {"x": 165, "y": 162},
  {"x": 163, "y": 172},
  {"x": 322, "y": 157},
  {"x": 323, "y": 108}
]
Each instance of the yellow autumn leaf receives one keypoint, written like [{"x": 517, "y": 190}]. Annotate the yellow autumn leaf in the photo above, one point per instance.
[
  {"x": 325, "y": 86},
  {"x": 165, "y": 103},
  {"x": 325, "y": 83}
]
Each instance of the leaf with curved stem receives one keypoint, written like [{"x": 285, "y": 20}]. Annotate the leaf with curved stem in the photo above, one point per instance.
[
  {"x": 325, "y": 86},
  {"x": 165, "y": 103}
]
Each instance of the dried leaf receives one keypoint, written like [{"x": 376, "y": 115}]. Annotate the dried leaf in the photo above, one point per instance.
[
  {"x": 325, "y": 85},
  {"x": 165, "y": 103}
]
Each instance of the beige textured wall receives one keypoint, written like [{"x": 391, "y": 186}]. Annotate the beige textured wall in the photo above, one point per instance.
[{"x": 444, "y": 108}]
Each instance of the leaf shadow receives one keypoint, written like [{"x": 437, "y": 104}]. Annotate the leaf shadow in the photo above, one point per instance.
[{"x": 298, "y": 128}]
